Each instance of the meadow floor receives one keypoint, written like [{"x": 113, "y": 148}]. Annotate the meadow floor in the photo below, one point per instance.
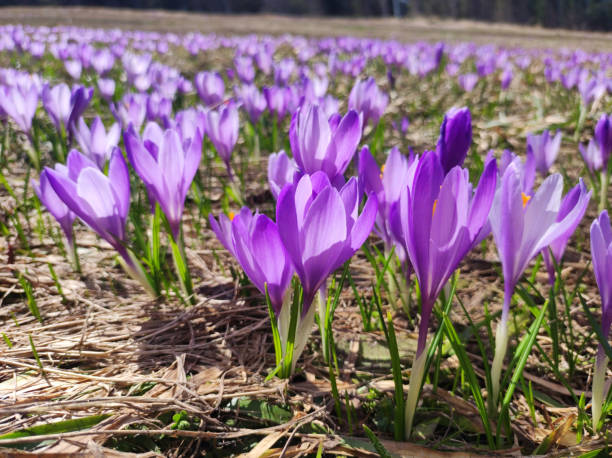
[{"x": 186, "y": 381}]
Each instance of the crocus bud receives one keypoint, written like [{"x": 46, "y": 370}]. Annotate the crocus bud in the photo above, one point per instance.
[
  {"x": 455, "y": 137},
  {"x": 603, "y": 137}
]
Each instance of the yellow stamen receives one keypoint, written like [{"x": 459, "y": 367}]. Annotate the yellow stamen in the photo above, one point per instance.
[
  {"x": 433, "y": 211},
  {"x": 231, "y": 216},
  {"x": 382, "y": 170},
  {"x": 525, "y": 199}
]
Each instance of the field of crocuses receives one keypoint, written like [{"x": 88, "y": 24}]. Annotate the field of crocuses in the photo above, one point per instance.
[{"x": 292, "y": 246}]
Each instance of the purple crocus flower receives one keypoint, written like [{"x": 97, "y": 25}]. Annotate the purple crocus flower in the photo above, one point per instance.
[
  {"x": 601, "y": 252},
  {"x": 56, "y": 101},
  {"x": 107, "y": 88},
  {"x": 592, "y": 156},
  {"x": 321, "y": 145},
  {"x": 523, "y": 226},
  {"x": 20, "y": 103},
  {"x": 367, "y": 99},
  {"x": 255, "y": 242},
  {"x": 210, "y": 87},
  {"x": 245, "y": 69},
  {"x": 252, "y": 100},
  {"x": 603, "y": 137},
  {"x": 281, "y": 171},
  {"x": 544, "y": 149},
  {"x": 468, "y": 81},
  {"x": 167, "y": 168},
  {"x": 101, "y": 201},
  {"x": 56, "y": 206},
  {"x": 95, "y": 142},
  {"x": 577, "y": 197},
  {"x": 131, "y": 110},
  {"x": 438, "y": 219},
  {"x": 222, "y": 129},
  {"x": 277, "y": 99},
  {"x": 320, "y": 227},
  {"x": 455, "y": 138},
  {"x": 74, "y": 68},
  {"x": 387, "y": 184}
]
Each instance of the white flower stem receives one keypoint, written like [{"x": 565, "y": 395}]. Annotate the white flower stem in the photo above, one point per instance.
[
  {"x": 599, "y": 378},
  {"x": 416, "y": 379}
]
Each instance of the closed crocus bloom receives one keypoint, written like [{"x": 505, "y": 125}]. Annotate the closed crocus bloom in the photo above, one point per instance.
[
  {"x": 544, "y": 149},
  {"x": 188, "y": 121},
  {"x": 455, "y": 138},
  {"x": 245, "y": 69},
  {"x": 321, "y": 228},
  {"x": 210, "y": 87},
  {"x": 522, "y": 226},
  {"x": 281, "y": 171},
  {"x": 167, "y": 167},
  {"x": 277, "y": 99},
  {"x": 321, "y": 145},
  {"x": 367, "y": 99},
  {"x": 74, "y": 68},
  {"x": 437, "y": 220},
  {"x": 56, "y": 101},
  {"x": 253, "y": 101},
  {"x": 576, "y": 199},
  {"x": 601, "y": 253},
  {"x": 56, "y": 206},
  {"x": 79, "y": 99},
  {"x": 20, "y": 103},
  {"x": 222, "y": 129},
  {"x": 386, "y": 183},
  {"x": 262, "y": 255},
  {"x": 95, "y": 142},
  {"x": 603, "y": 137},
  {"x": 592, "y": 155},
  {"x": 106, "y": 86},
  {"x": 468, "y": 81}
]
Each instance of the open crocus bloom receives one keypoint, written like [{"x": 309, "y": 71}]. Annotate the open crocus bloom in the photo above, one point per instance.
[
  {"x": 522, "y": 226},
  {"x": 96, "y": 142}
]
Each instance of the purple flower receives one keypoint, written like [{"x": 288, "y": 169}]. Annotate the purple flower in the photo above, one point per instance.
[
  {"x": 56, "y": 100},
  {"x": 522, "y": 226},
  {"x": 506, "y": 77},
  {"x": 544, "y": 149},
  {"x": 96, "y": 143},
  {"x": 245, "y": 69},
  {"x": 222, "y": 129},
  {"x": 387, "y": 184},
  {"x": 321, "y": 145},
  {"x": 601, "y": 252},
  {"x": 255, "y": 242},
  {"x": 526, "y": 170},
  {"x": 188, "y": 121},
  {"x": 455, "y": 138},
  {"x": 167, "y": 168},
  {"x": 468, "y": 81},
  {"x": 320, "y": 227},
  {"x": 74, "y": 68},
  {"x": 437, "y": 220},
  {"x": 131, "y": 110},
  {"x": 367, "y": 99},
  {"x": 101, "y": 201},
  {"x": 278, "y": 100},
  {"x": 56, "y": 206},
  {"x": 20, "y": 103},
  {"x": 603, "y": 137},
  {"x": 210, "y": 87},
  {"x": 577, "y": 198},
  {"x": 592, "y": 155},
  {"x": 158, "y": 108},
  {"x": 107, "y": 88},
  {"x": 252, "y": 100},
  {"x": 281, "y": 170}
]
